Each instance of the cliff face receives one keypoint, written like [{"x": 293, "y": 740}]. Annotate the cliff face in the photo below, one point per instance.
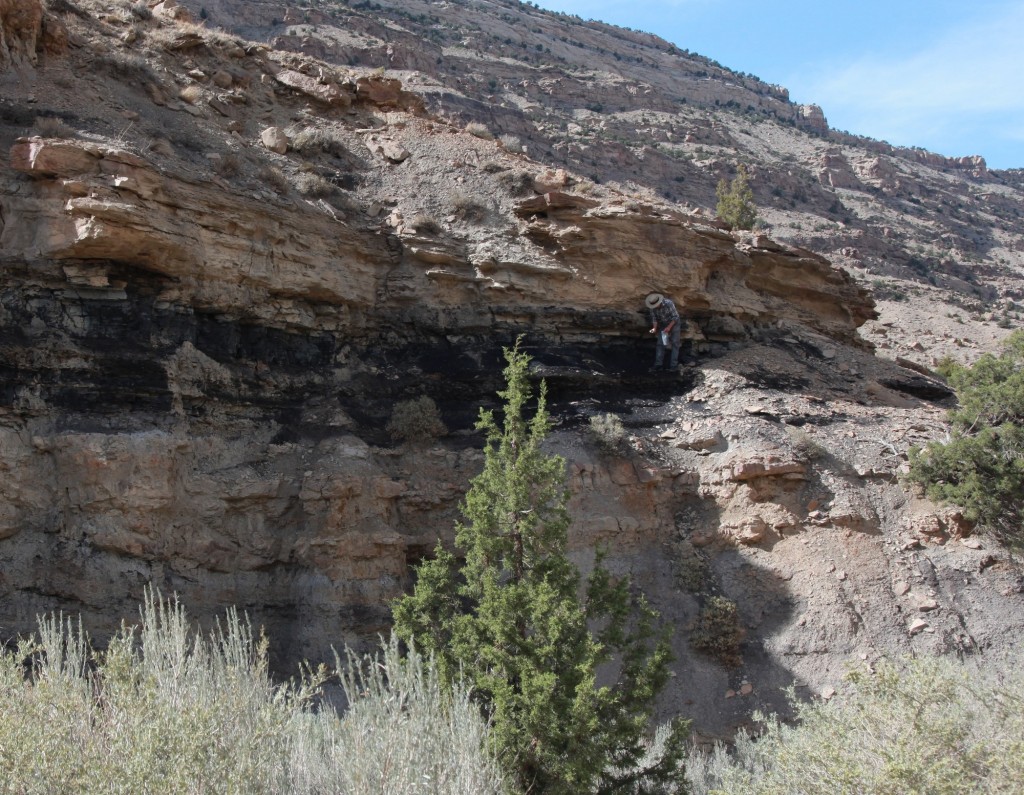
[
  {"x": 626, "y": 106},
  {"x": 218, "y": 282}
]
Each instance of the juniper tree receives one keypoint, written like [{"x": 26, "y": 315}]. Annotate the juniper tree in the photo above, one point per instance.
[
  {"x": 510, "y": 617},
  {"x": 736, "y": 201},
  {"x": 981, "y": 466}
]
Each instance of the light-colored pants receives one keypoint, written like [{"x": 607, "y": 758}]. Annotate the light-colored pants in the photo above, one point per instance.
[{"x": 668, "y": 339}]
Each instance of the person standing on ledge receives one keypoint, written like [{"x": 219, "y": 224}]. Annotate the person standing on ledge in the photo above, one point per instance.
[{"x": 665, "y": 324}]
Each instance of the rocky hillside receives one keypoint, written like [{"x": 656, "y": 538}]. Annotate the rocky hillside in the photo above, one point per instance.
[
  {"x": 228, "y": 254},
  {"x": 626, "y": 108}
]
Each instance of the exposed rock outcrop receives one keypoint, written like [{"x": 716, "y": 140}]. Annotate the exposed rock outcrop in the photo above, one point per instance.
[
  {"x": 203, "y": 335},
  {"x": 814, "y": 117},
  {"x": 229, "y": 253},
  {"x": 21, "y": 29}
]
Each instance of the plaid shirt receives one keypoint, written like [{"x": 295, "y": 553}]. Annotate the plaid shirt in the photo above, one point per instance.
[{"x": 664, "y": 314}]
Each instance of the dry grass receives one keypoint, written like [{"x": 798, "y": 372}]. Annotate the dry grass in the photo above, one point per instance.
[
  {"x": 806, "y": 447},
  {"x": 227, "y": 166},
  {"x": 312, "y": 140},
  {"x": 479, "y": 130},
  {"x": 425, "y": 224},
  {"x": 178, "y": 35},
  {"x": 275, "y": 178},
  {"x": 162, "y": 146},
  {"x": 930, "y": 725},
  {"x": 467, "y": 207},
  {"x": 313, "y": 186},
  {"x": 52, "y": 127},
  {"x": 128, "y": 68},
  {"x": 517, "y": 182},
  {"x": 191, "y": 94},
  {"x": 511, "y": 143},
  {"x": 168, "y": 711},
  {"x": 65, "y": 7}
]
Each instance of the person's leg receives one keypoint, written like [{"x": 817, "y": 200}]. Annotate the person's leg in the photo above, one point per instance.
[{"x": 674, "y": 360}]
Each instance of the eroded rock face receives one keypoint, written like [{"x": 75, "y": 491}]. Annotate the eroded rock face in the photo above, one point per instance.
[
  {"x": 197, "y": 381},
  {"x": 98, "y": 205},
  {"x": 89, "y": 202},
  {"x": 197, "y": 372},
  {"x": 21, "y": 27}
]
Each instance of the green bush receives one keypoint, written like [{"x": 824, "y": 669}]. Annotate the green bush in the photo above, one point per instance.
[
  {"x": 933, "y": 726},
  {"x": 166, "y": 711},
  {"x": 736, "y": 201},
  {"x": 981, "y": 466},
  {"x": 608, "y": 430},
  {"x": 718, "y": 632},
  {"x": 416, "y": 420}
]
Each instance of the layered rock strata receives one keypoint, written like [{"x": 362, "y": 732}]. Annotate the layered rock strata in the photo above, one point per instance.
[{"x": 204, "y": 332}]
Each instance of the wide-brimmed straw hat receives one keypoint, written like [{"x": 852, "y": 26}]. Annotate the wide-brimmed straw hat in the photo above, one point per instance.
[{"x": 654, "y": 300}]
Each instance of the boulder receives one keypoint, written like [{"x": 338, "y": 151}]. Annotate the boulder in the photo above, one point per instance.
[
  {"x": 379, "y": 91},
  {"x": 223, "y": 79},
  {"x": 724, "y": 327},
  {"x": 39, "y": 157},
  {"x": 275, "y": 139},
  {"x": 389, "y": 150},
  {"x": 550, "y": 180},
  {"x": 325, "y": 93}
]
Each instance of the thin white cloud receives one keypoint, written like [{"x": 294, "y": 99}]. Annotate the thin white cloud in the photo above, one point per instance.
[{"x": 963, "y": 77}]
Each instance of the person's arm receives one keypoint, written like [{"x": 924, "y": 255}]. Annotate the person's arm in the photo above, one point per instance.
[{"x": 654, "y": 322}]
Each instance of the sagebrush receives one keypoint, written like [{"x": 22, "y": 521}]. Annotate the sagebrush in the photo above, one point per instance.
[
  {"x": 608, "y": 430},
  {"x": 479, "y": 130},
  {"x": 933, "y": 726},
  {"x": 416, "y": 420},
  {"x": 166, "y": 710}
]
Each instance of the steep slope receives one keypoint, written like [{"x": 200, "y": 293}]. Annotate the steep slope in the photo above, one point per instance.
[{"x": 224, "y": 263}]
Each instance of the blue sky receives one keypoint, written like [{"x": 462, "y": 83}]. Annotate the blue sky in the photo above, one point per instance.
[{"x": 948, "y": 76}]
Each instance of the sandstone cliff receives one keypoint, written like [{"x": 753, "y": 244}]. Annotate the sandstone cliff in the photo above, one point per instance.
[{"x": 225, "y": 263}]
